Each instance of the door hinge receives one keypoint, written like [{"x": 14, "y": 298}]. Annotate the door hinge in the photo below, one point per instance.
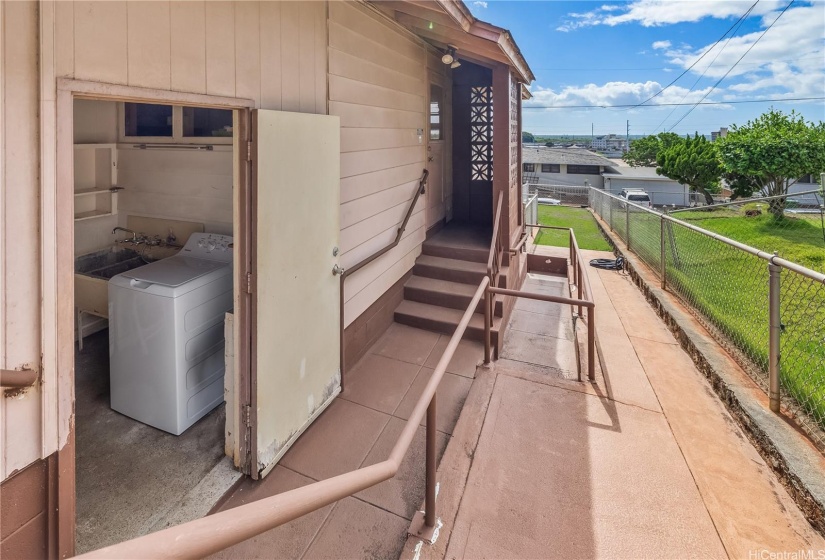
[
  {"x": 248, "y": 282},
  {"x": 247, "y": 415},
  {"x": 249, "y": 151}
]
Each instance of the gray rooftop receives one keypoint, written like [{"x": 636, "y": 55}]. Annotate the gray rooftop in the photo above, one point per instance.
[{"x": 574, "y": 156}]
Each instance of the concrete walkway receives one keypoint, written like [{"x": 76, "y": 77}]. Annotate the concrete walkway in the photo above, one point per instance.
[{"x": 647, "y": 463}]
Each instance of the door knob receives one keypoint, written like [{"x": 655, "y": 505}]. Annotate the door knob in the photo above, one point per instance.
[{"x": 337, "y": 270}]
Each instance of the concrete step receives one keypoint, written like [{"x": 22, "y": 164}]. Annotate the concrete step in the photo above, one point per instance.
[
  {"x": 443, "y": 320},
  {"x": 436, "y": 249},
  {"x": 444, "y": 293},
  {"x": 454, "y": 270}
]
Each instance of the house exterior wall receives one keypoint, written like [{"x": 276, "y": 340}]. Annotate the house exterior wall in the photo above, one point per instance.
[{"x": 378, "y": 86}]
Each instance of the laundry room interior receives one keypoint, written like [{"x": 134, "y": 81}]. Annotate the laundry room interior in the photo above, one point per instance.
[{"x": 153, "y": 227}]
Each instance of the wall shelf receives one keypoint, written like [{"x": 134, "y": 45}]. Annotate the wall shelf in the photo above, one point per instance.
[{"x": 95, "y": 173}]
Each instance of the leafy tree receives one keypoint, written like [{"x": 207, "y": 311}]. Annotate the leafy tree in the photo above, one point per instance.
[
  {"x": 692, "y": 162},
  {"x": 643, "y": 152},
  {"x": 527, "y": 137},
  {"x": 770, "y": 153}
]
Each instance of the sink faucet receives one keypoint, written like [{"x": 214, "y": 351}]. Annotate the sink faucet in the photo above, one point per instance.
[{"x": 134, "y": 234}]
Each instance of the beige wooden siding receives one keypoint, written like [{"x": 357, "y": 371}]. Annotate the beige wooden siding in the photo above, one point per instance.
[
  {"x": 271, "y": 52},
  {"x": 20, "y": 416},
  {"x": 378, "y": 86}
]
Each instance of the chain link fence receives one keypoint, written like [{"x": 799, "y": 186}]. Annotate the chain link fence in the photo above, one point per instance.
[{"x": 726, "y": 285}]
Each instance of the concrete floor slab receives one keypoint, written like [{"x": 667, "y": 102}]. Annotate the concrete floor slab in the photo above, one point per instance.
[
  {"x": 406, "y": 344},
  {"x": 287, "y": 541},
  {"x": 130, "y": 476},
  {"x": 467, "y": 357},
  {"x": 556, "y": 353},
  {"x": 356, "y": 529},
  {"x": 625, "y": 377},
  {"x": 378, "y": 382},
  {"x": 337, "y": 442},
  {"x": 401, "y": 494},
  {"x": 540, "y": 324},
  {"x": 452, "y": 392},
  {"x": 563, "y": 474}
]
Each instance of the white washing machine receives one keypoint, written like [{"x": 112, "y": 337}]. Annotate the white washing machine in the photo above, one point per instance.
[{"x": 166, "y": 334}]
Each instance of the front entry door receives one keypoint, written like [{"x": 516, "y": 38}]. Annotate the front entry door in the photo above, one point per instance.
[{"x": 295, "y": 295}]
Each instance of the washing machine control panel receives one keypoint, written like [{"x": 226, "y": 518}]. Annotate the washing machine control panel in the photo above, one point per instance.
[{"x": 210, "y": 246}]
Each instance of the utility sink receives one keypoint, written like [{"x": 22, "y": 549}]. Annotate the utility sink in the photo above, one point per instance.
[
  {"x": 106, "y": 264},
  {"x": 92, "y": 274}
]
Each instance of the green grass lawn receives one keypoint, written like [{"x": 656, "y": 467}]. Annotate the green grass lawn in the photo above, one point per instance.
[
  {"x": 797, "y": 238},
  {"x": 584, "y": 225}
]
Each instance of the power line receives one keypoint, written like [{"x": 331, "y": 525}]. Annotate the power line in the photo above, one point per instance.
[
  {"x": 702, "y": 75},
  {"x": 737, "y": 102},
  {"x": 580, "y": 69},
  {"x": 719, "y": 81},
  {"x": 719, "y": 40}
]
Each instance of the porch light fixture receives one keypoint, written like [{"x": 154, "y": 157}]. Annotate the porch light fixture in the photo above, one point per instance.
[
  {"x": 449, "y": 56},
  {"x": 455, "y": 64}
]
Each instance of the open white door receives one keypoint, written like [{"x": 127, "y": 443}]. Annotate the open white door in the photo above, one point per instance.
[{"x": 295, "y": 295}]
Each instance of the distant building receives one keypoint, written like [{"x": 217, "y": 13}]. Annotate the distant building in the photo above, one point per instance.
[
  {"x": 564, "y": 166},
  {"x": 609, "y": 143},
  {"x": 721, "y": 133}
]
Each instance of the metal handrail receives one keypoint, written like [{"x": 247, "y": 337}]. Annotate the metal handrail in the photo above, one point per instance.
[
  {"x": 420, "y": 189},
  {"x": 17, "y": 378},
  {"x": 345, "y": 272},
  {"x": 208, "y": 535}
]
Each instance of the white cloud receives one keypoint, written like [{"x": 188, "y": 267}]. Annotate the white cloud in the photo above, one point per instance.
[
  {"x": 613, "y": 93},
  {"x": 788, "y": 59},
  {"x": 661, "y": 45},
  {"x": 479, "y": 4},
  {"x": 654, "y": 13}
]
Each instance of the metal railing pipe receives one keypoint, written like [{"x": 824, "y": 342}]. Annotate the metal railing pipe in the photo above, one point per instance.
[
  {"x": 431, "y": 463},
  {"x": 543, "y": 297},
  {"x": 663, "y": 262},
  {"x": 591, "y": 343},
  {"x": 17, "y": 379},
  {"x": 743, "y": 201},
  {"x": 775, "y": 327}
]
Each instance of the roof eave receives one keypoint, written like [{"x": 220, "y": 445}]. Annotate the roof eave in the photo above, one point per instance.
[{"x": 459, "y": 12}]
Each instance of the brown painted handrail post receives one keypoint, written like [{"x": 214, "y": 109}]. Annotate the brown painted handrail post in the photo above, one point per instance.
[
  {"x": 591, "y": 343},
  {"x": 17, "y": 379},
  {"x": 429, "y": 502},
  {"x": 488, "y": 319}
]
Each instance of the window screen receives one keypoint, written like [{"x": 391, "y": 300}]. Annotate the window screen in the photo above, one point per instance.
[
  {"x": 583, "y": 169},
  {"x": 144, "y": 119},
  {"x": 199, "y": 122},
  {"x": 550, "y": 168},
  {"x": 529, "y": 167},
  {"x": 435, "y": 113}
]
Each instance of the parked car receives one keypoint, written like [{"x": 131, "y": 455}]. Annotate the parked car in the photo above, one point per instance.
[{"x": 637, "y": 196}]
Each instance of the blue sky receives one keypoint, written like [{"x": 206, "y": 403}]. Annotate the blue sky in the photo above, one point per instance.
[{"x": 608, "y": 53}]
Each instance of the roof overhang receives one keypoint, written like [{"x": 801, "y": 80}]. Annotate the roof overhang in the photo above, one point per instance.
[{"x": 449, "y": 22}]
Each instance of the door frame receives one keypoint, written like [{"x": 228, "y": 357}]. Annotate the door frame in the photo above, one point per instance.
[{"x": 57, "y": 262}]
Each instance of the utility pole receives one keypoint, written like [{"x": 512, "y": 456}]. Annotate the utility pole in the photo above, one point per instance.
[{"x": 627, "y": 138}]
